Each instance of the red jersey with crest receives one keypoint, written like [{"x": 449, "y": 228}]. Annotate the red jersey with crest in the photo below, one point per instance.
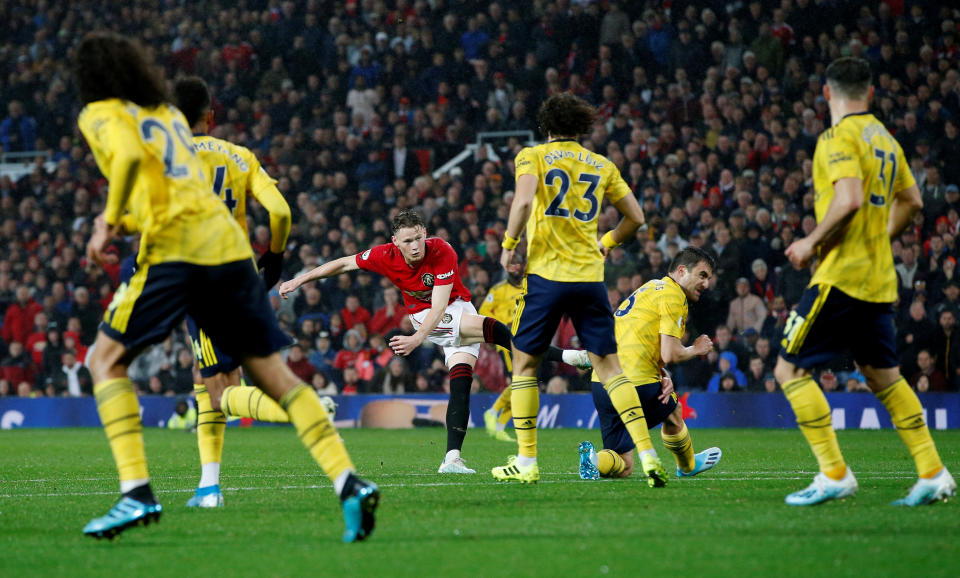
[{"x": 439, "y": 267}]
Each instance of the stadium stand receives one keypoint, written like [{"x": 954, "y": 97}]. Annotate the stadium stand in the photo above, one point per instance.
[{"x": 710, "y": 109}]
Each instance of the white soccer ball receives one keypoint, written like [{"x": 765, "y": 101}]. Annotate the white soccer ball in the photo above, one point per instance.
[{"x": 329, "y": 405}]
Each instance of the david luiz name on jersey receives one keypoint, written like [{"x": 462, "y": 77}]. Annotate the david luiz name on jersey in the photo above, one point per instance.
[{"x": 587, "y": 159}]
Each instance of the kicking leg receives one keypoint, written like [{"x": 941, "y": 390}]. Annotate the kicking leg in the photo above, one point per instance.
[{"x": 480, "y": 329}]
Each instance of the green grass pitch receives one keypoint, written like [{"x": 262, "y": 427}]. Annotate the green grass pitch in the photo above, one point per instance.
[{"x": 281, "y": 517}]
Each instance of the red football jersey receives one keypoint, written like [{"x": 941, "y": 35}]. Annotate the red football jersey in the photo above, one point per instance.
[{"x": 439, "y": 267}]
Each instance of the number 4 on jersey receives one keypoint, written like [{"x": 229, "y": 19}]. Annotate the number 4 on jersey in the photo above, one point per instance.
[{"x": 219, "y": 176}]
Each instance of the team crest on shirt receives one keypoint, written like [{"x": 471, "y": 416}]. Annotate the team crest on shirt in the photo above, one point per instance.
[
  {"x": 366, "y": 255},
  {"x": 427, "y": 279},
  {"x": 447, "y": 318}
]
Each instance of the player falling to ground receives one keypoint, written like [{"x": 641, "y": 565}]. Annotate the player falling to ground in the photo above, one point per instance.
[
  {"x": 865, "y": 196},
  {"x": 426, "y": 272},
  {"x": 234, "y": 172},
  {"x": 560, "y": 188},
  {"x": 193, "y": 259},
  {"x": 650, "y": 323}
]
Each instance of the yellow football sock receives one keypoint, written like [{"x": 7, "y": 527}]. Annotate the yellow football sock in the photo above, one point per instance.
[
  {"x": 610, "y": 464},
  {"x": 210, "y": 427},
  {"x": 120, "y": 414},
  {"x": 246, "y": 401},
  {"x": 623, "y": 396},
  {"x": 505, "y": 416},
  {"x": 682, "y": 448},
  {"x": 503, "y": 401},
  {"x": 907, "y": 416},
  {"x": 316, "y": 431},
  {"x": 525, "y": 398},
  {"x": 815, "y": 422}
]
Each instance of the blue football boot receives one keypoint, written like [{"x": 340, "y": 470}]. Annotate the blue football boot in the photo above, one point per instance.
[
  {"x": 588, "y": 462},
  {"x": 358, "y": 509},
  {"x": 824, "y": 489},
  {"x": 930, "y": 490},
  {"x": 127, "y": 513},
  {"x": 207, "y": 497},
  {"x": 702, "y": 462}
]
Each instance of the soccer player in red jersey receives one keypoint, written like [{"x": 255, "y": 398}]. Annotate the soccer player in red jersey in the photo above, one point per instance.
[{"x": 426, "y": 272}]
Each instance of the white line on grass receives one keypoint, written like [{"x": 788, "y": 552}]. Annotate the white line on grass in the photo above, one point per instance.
[
  {"x": 736, "y": 476},
  {"x": 569, "y": 478}
]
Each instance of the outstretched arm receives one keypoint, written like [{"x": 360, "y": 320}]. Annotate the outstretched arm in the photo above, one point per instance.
[{"x": 329, "y": 269}]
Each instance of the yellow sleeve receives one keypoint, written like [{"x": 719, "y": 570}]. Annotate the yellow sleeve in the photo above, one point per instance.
[
  {"x": 671, "y": 315},
  {"x": 841, "y": 157},
  {"x": 129, "y": 224},
  {"x": 903, "y": 179},
  {"x": 263, "y": 188},
  {"x": 526, "y": 163},
  {"x": 120, "y": 153},
  {"x": 617, "y": 188}
]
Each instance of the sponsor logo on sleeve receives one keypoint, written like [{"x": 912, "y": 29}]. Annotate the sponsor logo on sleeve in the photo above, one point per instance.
[
  {"x": 365, "y": 255},
  {"x": 443, "y": 276}
]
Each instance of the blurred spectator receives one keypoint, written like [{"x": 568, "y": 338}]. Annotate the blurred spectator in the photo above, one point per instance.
[
  {"x": 352, "y": 384},
  {"x": 181, "y": 376},
  {"x": 74, "y": 379},
  {"x": 746, "y": 309},
  {"x": 727, "y": 367},
  {"x": 390, "y": 316},
  {"x": 19, "y": 317},
  {"x": 299, "y": 364},
  {"x": 354, "y": 313},
  {"x": 928, "y": 369},
  {"x": 18, "y": 131},
  {"x": 17, "y": 367},
  {"x": 946, "y": 349},
  {"x": 394, "y": 378}
]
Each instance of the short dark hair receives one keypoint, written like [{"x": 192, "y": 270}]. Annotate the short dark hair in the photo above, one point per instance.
[
  {"x": 192, "y": 98},
  {"x": 406, "y": 218},
  {"x": 849, "y": 76},
  {"x": 109, "y": 65},
  {"x": 566, "y": 115},
  {"x": 690, "y": 257}
]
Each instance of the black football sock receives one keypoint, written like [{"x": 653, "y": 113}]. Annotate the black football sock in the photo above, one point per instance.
[
  {"x": 143, "y": 494},
  {"x": 458, "y": 410}
]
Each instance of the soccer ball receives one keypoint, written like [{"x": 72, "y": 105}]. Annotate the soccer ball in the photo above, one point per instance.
[{"x": 329, "y": 405}]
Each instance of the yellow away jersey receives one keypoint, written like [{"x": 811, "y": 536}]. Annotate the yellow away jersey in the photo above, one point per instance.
[
  {"x": 562, "y": 228},
  {"x": 501, "y": 302},
  {"x": 658, "y": 307},
  {"x": 233, "y": 171},
  {"x": 170, "y": 204},
  {"x": 860, "y": 262}
]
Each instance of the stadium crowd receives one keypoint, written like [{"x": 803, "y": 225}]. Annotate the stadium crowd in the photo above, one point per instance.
[{"x": 711, "y": 110}]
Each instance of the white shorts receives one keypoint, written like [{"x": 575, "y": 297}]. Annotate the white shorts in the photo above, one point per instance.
[{"x": 447, "y": 332}]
